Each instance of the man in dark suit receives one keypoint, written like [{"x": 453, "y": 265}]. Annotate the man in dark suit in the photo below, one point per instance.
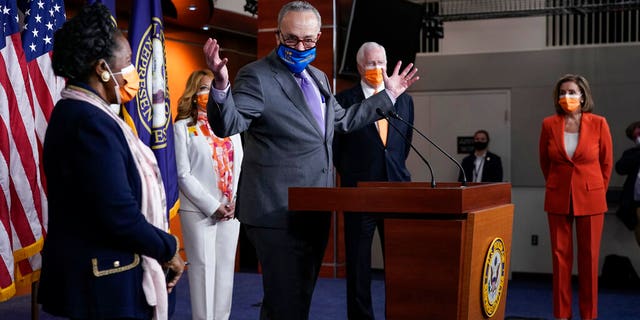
[
  {"x": 373, "y": 153},
  {"x": 629, "y": 165},
  {"x": 482, "y": 165},
  {"x": 288, "y": 114}
]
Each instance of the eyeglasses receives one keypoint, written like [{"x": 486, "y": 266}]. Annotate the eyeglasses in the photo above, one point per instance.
[{"x": 292, "y": 41}]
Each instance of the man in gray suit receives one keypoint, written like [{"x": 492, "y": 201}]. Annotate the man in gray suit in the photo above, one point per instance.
[{"x": 289, "y": 114}]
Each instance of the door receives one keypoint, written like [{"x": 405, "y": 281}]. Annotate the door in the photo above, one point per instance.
[{"x": 444, "y": 116}]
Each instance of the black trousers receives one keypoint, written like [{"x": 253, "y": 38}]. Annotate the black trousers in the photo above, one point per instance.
[
  {"x": 359, "y": 229},
  {"x": 290, "y": 259}
]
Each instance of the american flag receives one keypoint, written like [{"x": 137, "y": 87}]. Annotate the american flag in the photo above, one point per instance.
[
  {"x": 28, "y": 92},
  {"x": 10, "y": 28},
  {"x": 42, "y": 19}
]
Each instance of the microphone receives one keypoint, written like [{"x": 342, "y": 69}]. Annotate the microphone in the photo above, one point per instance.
[
  {"x": 395, "y": 115},
  {"x": 384, "y": 115}
]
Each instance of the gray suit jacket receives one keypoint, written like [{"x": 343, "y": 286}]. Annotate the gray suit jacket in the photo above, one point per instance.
[{"x": 284, "y": 146}]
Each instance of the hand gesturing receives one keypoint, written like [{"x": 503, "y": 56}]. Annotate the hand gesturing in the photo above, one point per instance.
[
  {"x": 217, "y": 65},
  {"x": 397, "y": 83}
]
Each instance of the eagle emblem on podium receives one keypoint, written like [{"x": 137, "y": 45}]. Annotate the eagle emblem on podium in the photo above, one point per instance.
[{"x": 493, "y": 277}]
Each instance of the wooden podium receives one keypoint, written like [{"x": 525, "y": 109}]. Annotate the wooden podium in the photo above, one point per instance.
[{"x": 436, "y": 242}]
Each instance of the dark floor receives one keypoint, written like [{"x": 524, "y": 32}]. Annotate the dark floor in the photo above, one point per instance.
[{"x": 528, "y": 297}]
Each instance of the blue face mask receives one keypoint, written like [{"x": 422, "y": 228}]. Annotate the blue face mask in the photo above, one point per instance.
[{"x": 294, "y": 59}]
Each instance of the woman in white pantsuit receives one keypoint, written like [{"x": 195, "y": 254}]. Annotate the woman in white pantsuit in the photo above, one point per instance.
[{"x": 208, "y": 172}]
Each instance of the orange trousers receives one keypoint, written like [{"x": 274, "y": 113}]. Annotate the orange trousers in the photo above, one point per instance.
[{"x": 588, "y": 234}]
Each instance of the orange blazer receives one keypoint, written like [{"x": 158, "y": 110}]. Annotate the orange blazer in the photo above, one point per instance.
[{"x": 584, "y": 178}]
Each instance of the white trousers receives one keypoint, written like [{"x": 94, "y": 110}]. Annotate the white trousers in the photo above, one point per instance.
[{"x": 211, "y": 251}]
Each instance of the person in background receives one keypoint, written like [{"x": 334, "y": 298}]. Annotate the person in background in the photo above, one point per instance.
[
  {"x": 208, "y": 172},
  {"x": 482, "y": 165},
  {"x": 373, "y": 153},
  {"x": 107, "y": 243},
  {"x": 576, "y": 159},
  {"x": 288, "y": 113},
  {"x": 629, "y": 165}
]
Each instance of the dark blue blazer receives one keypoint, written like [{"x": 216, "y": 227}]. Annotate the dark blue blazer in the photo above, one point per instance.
[
  {"x": 91, "y": 264},
  {"x": 628, "y": 165},
  {"x": 361, "y": 156}
]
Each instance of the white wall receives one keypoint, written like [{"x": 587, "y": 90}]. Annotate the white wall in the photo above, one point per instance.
[{"x": 493, "y": 35}]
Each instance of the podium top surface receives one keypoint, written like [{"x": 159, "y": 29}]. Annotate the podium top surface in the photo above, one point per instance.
[{"x": 405, "y": 197}]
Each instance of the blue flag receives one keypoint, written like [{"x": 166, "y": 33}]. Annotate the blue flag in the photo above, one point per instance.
[{"x": 149, "y": 113}]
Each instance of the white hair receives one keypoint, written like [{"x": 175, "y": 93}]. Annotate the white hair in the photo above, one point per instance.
[{"x": 366, "y": 47}]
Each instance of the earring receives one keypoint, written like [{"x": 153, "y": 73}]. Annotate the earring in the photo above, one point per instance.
[{"x": 105, "y": 76}]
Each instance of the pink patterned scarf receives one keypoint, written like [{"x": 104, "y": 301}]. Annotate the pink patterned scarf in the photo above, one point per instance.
[{"x": 222, "y": 155}]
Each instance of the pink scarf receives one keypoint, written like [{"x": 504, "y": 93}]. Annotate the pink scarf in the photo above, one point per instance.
[
  {"x": 222, "y": 155},
  {"x": 153, "y": 205}
]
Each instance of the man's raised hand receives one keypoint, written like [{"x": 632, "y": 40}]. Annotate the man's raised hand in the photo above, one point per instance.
[
  {"x": 398, "y": 83},
  {"x": 217, "y": 65}
]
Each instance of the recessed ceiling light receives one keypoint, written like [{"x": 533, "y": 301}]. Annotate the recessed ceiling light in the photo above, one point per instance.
[{"x": 192, "y": 7}]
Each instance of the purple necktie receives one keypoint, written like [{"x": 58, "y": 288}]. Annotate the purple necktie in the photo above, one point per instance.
[{"x": 312, "y": 95}]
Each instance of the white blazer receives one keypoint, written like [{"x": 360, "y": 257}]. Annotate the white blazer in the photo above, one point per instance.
[{"x": 197, "y": 178}]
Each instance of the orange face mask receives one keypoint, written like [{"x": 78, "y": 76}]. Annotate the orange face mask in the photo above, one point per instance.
[
  {"x": 202, "y": 98},
  {"x": 132, "y": 85},
  {"x": 374, "y": 76},
  {"x": 569, "y": 102}
]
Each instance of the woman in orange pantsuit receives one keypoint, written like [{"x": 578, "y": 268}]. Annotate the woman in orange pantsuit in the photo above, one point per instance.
[{"x": 576, "y": 160}]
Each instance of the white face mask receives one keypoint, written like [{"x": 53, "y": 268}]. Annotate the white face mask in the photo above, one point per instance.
[{"x": 116, "y": 87}]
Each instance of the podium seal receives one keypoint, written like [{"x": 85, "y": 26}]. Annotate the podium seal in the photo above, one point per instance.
[{"x": 493, "y": 277}]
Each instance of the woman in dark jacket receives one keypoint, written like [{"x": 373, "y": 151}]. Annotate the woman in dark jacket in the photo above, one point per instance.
[{"x": 107, "y": 244}]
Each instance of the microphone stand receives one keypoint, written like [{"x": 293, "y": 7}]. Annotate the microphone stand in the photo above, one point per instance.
[
  {"x": 384, "y": 115},
  {"x": 395, "y": 115}
]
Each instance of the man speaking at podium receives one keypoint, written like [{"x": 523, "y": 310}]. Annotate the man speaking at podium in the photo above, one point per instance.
[
  {"x": 288, "y": 113},
  {"x": 377, "y": 152}
]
